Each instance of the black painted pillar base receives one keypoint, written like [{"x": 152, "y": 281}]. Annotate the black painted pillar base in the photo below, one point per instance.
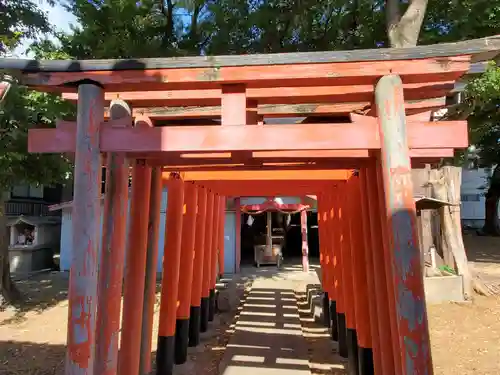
[
  {"x": 204, "y": 314},
  {"x": 365, "y": 357},
  {"x": 181, "y": 340},
  {"x": 211, "y": 305},
  {"x": 352, "y": 350},
  {"x": 342, "y": 335},
  {"x": 326, "y": 309},
  {"x": 333, "y": 315},
  {"x": 165, "y": 355},
  {"x": 194, "y": 326}
]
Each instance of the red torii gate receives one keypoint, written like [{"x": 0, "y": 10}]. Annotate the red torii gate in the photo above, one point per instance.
[{"x": 381, "y": 309}]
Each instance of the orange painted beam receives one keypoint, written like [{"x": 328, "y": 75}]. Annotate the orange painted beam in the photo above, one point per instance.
[
  {"x": 331, "y": 164},
  {"x": 267, "y": 188},
  {"x": 266, "y": 175},
  {"x": 318, "y": 74},
  {"x": 281, "y": 110},
  {"x": 359, "y": 136},
  {"x": 272, "y": 95}
]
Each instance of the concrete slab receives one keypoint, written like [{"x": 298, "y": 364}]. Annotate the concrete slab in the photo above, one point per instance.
[{"x": 268, "y": 337}]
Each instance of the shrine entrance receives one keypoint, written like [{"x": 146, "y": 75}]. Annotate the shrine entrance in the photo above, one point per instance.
[{"x": 358, "y": 170}]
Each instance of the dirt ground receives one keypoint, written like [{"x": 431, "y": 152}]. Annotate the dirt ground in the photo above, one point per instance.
[{"x": 464, "y": 337}]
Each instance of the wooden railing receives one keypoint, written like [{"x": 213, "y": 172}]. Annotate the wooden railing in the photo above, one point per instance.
[{"x": 27, "y": 208}]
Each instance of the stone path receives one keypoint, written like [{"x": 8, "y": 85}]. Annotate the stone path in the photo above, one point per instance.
[{"x": 267, "y": 337}]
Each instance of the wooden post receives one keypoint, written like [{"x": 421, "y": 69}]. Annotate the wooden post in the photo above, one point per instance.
[
  {"x": 340, "y": 292},
  {"x": 135, "y": 268},
  {"x": 186, "y": 272},
  {"x": 151, "y": 266},
  {"x": 222, "y": 226},
  {"x": 170, "y": 276},
  {"x": 380, "y": 273},
  {"x": 237, "y": 204},
  {"x": 348, "y": 249},
  {"x": 373, "y": 299},
  {"x": 269, "y": 231},
  {"x": 305, "y": 245},
  {"x": 112, "y": 254},
  {"x": 199, "y": 258},
  {"x": 330, "y": 252},
  {"x": 213, "y": 257},
  {"x": 322, "y": 223},
  {"x": 403, "y": 239},
  {"x": 363, "y": 323},
  {"x": 86, "y": 222},
  {"x": 205, "y": 290}
]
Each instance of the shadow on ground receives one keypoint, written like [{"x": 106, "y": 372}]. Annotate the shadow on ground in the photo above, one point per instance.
[{"x": 482, "y": 249}]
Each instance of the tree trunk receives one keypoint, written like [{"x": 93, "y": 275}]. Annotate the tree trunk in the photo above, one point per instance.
[
  {"x": 492, "y": 205},
  {"x": 446, "y": 187},
  {"x": 8, "y": 290},
  {"x": 403, "y": 31}
]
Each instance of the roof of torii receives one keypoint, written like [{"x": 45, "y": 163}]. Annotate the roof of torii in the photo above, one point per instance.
[{"x": 298, "y": 82}]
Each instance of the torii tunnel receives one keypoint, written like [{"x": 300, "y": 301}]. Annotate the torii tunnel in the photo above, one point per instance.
[{"x": 375, "y": 124}]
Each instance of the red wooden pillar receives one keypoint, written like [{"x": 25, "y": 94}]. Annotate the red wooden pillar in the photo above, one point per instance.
[
  {"x": 170, "y": 276},
  {"x": 186, "y": 272},
  {"x": 214, "y": 257},
  {"x": 380, "y": 273},
  {"x": 388, "y": 264},
  {"x": 112, "y": 254},
  {"x": 330, "y": 252},
  {"x": 305, "y": 245},
  {"x": 363, "y": 330},
  {"x": 323, "y": 244},
  {"x": 86, "y": 222},
  {"x": 199, "y": 259},
  {"x": 373, "y": 298},
  {"x": 151, "y": 266},
  {"x": 205, "y": 290},
  {"x": 222, "y": 225},
  {"x": 348, "y": 267},
  {"x": 338, "y": 273},
  {"x": 401, "y": 220},
  {"x": 135, "y": 269}
]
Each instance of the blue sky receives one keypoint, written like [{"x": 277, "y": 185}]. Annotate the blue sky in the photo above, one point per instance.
[{"x": 57, "y": 16}]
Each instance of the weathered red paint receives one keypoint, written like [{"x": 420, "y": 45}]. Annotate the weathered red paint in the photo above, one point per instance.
[
  {"x": 112, "y": 256},
  {"x": 359, "y": 136},
  {"x": 400, "y": 214},
  {"x": 151, "y": 267},
  {"x": 86, "y": 222},
  {"x": 318, "y": 74},
  {"x": 271, "y": 95},
  {"x": 135, "y": 270}
]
